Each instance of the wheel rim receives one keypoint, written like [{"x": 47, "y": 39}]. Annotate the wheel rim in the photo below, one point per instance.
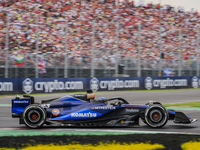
[
  {"x": 156, "y": 115},
  {"x": 34, "y": 116}
]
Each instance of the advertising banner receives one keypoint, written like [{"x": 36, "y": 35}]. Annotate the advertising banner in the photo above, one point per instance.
[
  {"x": 115, "y": 83},
  {"x": 142, "y": 83},
  {"x": 166, "y": 82},
  {"x": 57, "y": 85},
  {"x": 52, "y": 85},
  {"x": 9, "y": 86},
  {"x": 41, "y": 85}
]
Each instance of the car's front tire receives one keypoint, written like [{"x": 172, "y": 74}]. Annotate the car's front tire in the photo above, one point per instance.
[
  {"x": 156, "y": 116},
  {"x": 34, "y": 116}
]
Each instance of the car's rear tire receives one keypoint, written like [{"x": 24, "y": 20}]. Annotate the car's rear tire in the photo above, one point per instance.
[
  {"x": 156, "y": 116},
  {"x": 34, "y": 116}
]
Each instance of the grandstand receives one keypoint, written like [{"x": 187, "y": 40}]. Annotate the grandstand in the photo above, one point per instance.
[{"x": 39, "y": 26}]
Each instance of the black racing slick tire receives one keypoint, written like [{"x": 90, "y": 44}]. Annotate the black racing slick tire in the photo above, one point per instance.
[
  {"x": 156, "y": 116},
  {"x": 34, "y": 116}
]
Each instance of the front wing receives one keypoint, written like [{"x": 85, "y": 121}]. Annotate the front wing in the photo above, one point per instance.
[{"x": 180, "y": 117}]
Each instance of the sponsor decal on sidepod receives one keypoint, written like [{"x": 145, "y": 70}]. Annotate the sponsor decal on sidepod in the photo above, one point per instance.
[
  {"x": 106, "y": 108},
  {"x": 55, "y": 112},
  {"x": 83, "y": 114},
  {"x": 131, "y": 110}
]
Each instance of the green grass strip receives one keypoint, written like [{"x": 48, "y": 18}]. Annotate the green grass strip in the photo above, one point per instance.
[
  {"x": 182, "y": 108},
  {"x": 64, "y": 132},
  {"x": 5, "y": 105},
  {"x": 191, "y": 104}
]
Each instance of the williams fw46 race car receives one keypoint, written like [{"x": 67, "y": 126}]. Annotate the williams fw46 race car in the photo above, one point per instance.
[{"x": 84, "y": 110}]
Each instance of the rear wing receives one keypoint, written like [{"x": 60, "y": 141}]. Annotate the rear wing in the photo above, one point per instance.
[{"x": 19, "y": 104}]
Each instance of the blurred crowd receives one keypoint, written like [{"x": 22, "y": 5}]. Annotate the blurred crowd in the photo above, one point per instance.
[{"x": 157, "y": 22}]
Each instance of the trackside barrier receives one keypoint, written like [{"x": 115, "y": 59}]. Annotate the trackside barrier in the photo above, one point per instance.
[{"x": 56, "y": 85}]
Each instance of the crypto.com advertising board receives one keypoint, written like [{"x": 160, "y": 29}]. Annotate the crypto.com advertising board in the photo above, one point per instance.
[{"x": 56, "y": 85}]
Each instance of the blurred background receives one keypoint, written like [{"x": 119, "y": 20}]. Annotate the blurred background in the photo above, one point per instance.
[{"x": 97, "y": 38}]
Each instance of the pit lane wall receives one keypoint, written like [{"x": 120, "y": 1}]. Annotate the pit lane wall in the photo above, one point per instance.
[{"x": 56, "y": 85}]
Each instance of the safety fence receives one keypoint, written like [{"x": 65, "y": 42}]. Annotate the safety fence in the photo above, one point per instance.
[{"x": 78, "y": 72}]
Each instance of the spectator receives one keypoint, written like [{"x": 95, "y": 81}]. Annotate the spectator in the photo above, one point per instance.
[{"x": 51, "y": 26}]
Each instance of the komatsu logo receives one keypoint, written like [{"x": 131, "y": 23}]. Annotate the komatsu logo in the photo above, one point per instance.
[{"x": 83, "y": 114}]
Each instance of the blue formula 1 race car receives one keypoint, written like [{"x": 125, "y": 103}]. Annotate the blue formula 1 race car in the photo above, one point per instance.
[{"x": 84, "y": 110}]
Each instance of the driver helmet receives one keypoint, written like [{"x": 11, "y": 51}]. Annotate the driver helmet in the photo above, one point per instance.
[{"x": 102, "y": 98}]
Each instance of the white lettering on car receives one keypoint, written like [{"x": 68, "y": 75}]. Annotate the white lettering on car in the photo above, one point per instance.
[
  {"x": 21, "y": 101},
  {"x": 45, "y": 105},
  {"x": 83, "y": 114},
  {"x": 131, "y": 110},
  {"x": 105, "y": 108}
]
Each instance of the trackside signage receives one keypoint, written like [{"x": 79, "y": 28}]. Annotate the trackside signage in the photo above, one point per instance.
[
  {"x": 52, "y": 85},
  {"x": 56, "y": 85},
  {"x": 110, "y": 84},
  {"x": 164, "y": 83},
  {"x": 8, "y": 86},
  {"x": 195, "y": 82},
  {"x": 142, "y": 83}
]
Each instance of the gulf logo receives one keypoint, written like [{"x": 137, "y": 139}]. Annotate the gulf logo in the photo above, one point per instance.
[{"x": 55, "y": 112}]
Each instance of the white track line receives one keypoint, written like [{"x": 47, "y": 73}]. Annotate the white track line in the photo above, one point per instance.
[{"x": 93, "y": 130}]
